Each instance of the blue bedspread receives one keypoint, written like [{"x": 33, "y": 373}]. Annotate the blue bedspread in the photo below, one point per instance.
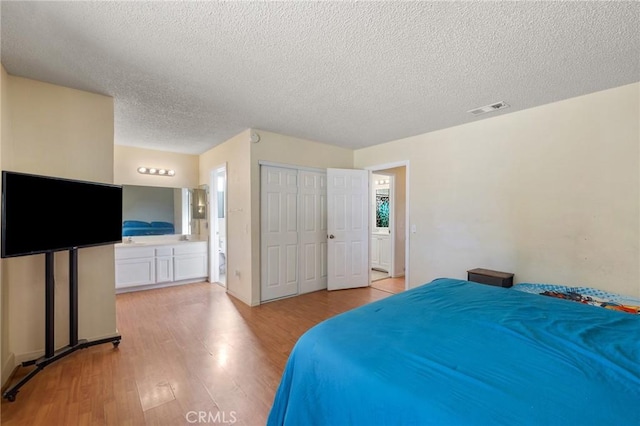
[
  {"x": 135, "y": 228},
  {"x": 459, "y": 353}
]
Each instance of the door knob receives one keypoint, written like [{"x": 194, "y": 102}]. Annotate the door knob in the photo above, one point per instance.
[{"x": 331, "y": 236}]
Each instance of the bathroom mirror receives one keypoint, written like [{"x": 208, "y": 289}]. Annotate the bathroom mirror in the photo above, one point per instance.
[{"x": 151, "y": 210}]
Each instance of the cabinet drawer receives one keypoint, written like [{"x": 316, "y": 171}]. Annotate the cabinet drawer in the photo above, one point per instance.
[
  {"x": 190, "y": 248},
  {"x": 134, "y": 252},
  {"x": 164, "y": 251}
]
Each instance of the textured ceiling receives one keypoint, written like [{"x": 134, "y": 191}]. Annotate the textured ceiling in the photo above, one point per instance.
[{"x": 187, "y": 76}]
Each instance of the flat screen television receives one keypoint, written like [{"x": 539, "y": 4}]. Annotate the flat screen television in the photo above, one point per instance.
[{"x": 45, "y": 214}]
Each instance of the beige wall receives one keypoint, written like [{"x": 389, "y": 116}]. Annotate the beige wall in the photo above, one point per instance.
[
  {"x": 284, "y": 149},
  {"x": 127, "y": 160},
  {"x": 549, "y": 193},
  {"x": 68, "y": 133},
  {"x": 6, "y": 356},
  {"x": 243, "y": 197},
  {"x": 235, "y": 153}
]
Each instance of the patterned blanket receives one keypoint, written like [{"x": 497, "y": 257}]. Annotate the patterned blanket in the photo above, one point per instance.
[{"x": 585, "y": 295}]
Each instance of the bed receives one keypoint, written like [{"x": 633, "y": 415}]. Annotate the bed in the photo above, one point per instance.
[{"x": 457, "y": 353}]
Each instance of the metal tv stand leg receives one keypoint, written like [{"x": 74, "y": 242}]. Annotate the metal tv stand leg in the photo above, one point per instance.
[{"x": 51, "y": 355}]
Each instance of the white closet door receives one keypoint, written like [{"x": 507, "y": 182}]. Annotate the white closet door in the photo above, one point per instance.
[
  {"x": 313, "y": 230},
  {"x": 279, "y": 232}
]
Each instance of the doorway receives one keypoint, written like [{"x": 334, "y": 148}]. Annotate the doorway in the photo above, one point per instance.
[
  {"x": 389, "y": 237},
  {"x": 218, "y": 226},
  {"x": 382, "y": 230}
]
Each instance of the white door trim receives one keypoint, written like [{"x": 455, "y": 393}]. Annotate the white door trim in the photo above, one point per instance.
[
  {"x": 392, "y": 218},
  {"x": 385, "y": 166},
  {"x": 291, "y": 166}
]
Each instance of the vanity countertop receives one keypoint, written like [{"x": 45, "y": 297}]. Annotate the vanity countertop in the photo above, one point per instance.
[{"x": 156, "y": 243}]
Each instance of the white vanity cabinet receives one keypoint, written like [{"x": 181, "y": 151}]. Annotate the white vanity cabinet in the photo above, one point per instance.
[
  {"x": 135, "y": 266},
  {"x": 190, "y": 261},
  {"x": 144, "y": 266},
  {"x": 381, "y": 251}
]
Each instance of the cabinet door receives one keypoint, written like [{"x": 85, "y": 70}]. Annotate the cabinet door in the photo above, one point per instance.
[
  {"x": 133, "y": 272},
  {"x": 164, "y": 269},
  {"x": 375, "y": 252},
  {"x": 190, "y": 266},
  {"x": 385, "y": 252}
]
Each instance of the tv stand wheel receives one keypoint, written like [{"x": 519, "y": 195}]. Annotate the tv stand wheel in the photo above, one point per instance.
[
  {"x": 11, "y": 397},
  {"x": 116, "y": 344}
]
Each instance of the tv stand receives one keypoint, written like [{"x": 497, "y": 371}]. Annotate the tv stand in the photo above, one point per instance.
[{"x": 50, "y": 354}]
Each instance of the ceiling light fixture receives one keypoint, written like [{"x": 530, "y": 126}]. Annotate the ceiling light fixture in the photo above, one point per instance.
[{"x": 156, "y": 171}]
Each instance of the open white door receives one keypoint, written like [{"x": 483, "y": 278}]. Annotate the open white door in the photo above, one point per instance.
[{"x": 348, "y": 229}]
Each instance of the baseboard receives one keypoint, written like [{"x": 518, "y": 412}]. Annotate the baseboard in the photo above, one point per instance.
[
  {"x": 29, "y": 356},
  {"x": 8, "y": 369},
  {"x": 160, "y": 285},
  {"x": 235, "y": 296},
  {"x": 104, "y": 336}
]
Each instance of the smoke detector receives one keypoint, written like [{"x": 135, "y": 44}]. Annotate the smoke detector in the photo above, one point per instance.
[{"x": 488, "y": 108}]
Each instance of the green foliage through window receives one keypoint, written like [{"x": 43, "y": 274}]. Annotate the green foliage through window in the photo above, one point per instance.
[{"x": 382, "y": 211}]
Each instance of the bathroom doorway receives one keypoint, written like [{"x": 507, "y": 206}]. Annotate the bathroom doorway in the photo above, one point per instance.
[
  {"x": 388, "y": 216},
  {"x": 218, "y": 226}
]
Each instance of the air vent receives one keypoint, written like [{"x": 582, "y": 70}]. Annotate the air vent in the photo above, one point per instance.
[{"x": 488, "y": 108}]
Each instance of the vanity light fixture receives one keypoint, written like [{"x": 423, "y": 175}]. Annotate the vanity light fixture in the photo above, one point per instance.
[{"x": 156, "y": 171}]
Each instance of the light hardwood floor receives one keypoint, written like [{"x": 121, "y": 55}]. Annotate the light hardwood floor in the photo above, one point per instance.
[
  {"x": 184, "y": 349},
  {"x": 390, "y": 285}
]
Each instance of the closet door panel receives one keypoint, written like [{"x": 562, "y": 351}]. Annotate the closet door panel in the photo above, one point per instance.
[
  {"x": 279, "y": 233},
  {"x": 313, "y": 230}
]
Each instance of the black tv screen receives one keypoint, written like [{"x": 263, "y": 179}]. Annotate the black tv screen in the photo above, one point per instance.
[{"x": 42, "y": 214}]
